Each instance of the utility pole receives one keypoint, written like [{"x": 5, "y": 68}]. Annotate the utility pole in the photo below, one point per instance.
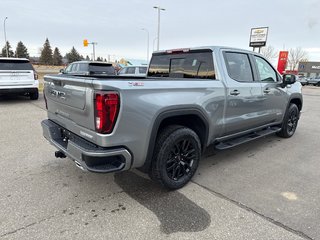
[
  {"x": 94, "y": 50},
  {"x": 159, "y": 9},
  {"x": 5, "y": 35}
]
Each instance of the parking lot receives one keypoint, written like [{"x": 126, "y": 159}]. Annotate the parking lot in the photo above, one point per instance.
[{"x": 267, "y": 189}]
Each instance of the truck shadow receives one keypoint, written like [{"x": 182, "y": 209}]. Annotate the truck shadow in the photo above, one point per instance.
[{"x": 175, "y": 212}]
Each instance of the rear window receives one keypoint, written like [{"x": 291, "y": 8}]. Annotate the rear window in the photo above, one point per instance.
[
  {"x": 197, "y": 64},
  {"x": 97, "y": 68},
  {"x": 15, "y": 65}
]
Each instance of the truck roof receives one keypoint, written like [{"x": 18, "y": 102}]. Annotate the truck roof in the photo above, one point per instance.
[{"x": 213, "y": 48}]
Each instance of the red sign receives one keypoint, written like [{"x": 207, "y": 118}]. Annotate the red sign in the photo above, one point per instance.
[{"x": 282, "y": 62}]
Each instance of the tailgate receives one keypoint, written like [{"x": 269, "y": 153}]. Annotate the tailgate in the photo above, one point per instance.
[
  {"x": 16, "y": 78},
  {"x": 70, "y": 99}
]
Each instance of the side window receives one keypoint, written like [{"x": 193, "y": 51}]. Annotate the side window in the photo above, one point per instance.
[
  {"x": 265, "y": 71},
  {"x": 82, "y": 67},
  {"x": 123, "y": 71},
  {"x": 142, "y": 70},
  {"x": 74, "y": 68},
  {"x": 238, "y": 66},
  {"x": 68, "y": 69},
  {"x": 131, "y": 70}
]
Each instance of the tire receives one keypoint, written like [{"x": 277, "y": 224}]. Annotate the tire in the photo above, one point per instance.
[
  {"x": 290, "y": 122},
  {"x": 176, "y": 157},
  {"x": 34, "y": 95}
]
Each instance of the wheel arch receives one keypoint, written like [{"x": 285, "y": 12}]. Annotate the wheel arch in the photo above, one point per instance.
[
  {"x": 296, "y": 99},
  {"x": 192, "y": 118}
]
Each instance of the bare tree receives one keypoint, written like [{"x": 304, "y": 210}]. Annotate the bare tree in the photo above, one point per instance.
[
  {"x": 269, "y": 53},
  {"x": 296, "y": 55}
]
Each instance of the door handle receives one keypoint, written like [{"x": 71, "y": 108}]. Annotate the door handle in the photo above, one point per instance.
[
  {"x": 234, "y": 92},
  {"x": 267, "y": 91}
]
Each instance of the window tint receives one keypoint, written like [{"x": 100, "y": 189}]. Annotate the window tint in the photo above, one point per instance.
[
  {"x": 142, "y": 70},
  {"x": 183, "y": 65},
  {"x": 131, "y": 70},
  {"x": 98, "y": 68},
  {"x": 83, "y": 67},
  {"x": 238, "y": 66},
  {"x": 265, "y": 71},
  {"x": 15, "y": 65}
]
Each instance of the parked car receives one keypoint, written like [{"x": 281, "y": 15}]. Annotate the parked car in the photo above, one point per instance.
[
  {"x": 86, "y": 68},
  {"x": 132, "y": 71},
  {"x": 162, "y": 123},
  {"x": 314, "y": 81},
  {"x": 302, "y": 80},
  {"x": 17, "y": 76}
]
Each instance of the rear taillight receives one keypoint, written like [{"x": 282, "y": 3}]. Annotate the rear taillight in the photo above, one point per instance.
[
  {"x": 107, "y": 106},
  {"x": 35, "y": 75}
]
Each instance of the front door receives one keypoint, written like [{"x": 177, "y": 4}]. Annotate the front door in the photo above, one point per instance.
[{"x": 275, "y": 97}]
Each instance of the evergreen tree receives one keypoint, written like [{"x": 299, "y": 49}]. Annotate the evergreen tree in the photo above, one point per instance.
[
  {"x": 56, "y": 57},
  {"x": 73, "y": 56},
  {"x": 99, "y": 59},
  {"x": 46, "y": 53},
  {"x": 21, "y": 51},
  {"x": 87, "y": 58},
  {"x": 10, "y": 52}
]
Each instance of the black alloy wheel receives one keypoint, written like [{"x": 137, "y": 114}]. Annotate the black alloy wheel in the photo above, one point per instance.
[
  {"x": 176, "y": 156},
  {"x": 290, "y": 122},
  {"x": 181, "y": 159}
]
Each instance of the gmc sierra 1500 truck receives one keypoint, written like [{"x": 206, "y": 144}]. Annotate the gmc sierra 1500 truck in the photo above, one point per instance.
[{"x": 162, "y": 123}]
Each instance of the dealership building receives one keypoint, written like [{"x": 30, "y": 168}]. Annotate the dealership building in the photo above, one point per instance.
[{"x": 309, "y": 69}]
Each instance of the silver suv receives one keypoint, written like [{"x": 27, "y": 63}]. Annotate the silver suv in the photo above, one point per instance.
[{"x": 17, "y": 76}]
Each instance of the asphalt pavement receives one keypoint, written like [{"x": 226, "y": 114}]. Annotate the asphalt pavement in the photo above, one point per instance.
[{"x": 267, "y": 189}]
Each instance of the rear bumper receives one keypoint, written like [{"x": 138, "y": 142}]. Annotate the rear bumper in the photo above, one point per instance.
[
  {"x": 85, "y": 154},
  {"x": 17, "y": 90}
]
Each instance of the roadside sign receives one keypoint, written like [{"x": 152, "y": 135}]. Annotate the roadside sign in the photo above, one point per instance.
[
  {"x": 258, "y": 37},
  {"x": 85, "y": 43},
  {"x": 282, "y": 61}
]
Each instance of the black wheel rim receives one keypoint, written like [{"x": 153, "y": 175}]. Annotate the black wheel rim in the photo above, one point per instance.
[
  {"x": 292, "y": 122},
  {"x": 181, "y": 160}
]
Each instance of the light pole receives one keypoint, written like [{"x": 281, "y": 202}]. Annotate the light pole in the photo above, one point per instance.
[
  {"x": 147, "y": 43},
  {"x": 153, "y": 43},
  {"x": 94, "y": 50},
  {"x": 5, "y": 35},
  {"x": 159, "y": 9}
]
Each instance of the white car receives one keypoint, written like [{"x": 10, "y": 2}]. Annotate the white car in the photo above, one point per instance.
[
  {"x": 131, "y": 71},
  {"x": 17, "y": 76}
]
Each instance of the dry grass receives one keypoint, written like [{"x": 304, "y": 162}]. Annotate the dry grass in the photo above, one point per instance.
[{"x": 44, "y": 70}]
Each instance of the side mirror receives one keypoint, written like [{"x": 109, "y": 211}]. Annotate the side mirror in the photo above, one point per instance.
[
  {"x": 62, "y": 71},
  {"x": 288, "y": 79}
]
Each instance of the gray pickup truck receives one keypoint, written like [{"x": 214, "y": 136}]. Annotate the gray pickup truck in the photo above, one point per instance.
[{"x": 162, "y": 123}]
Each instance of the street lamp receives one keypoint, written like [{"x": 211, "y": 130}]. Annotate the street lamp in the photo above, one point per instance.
[
  {"x": 147, "y": 43},
  {"x": 159, "y": 9},
  {"x": 5, "y": 35},
  {"x": 154, "y": 40}
]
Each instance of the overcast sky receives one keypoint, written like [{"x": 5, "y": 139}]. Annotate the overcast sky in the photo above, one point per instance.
[{"x": 116, "y": 25}]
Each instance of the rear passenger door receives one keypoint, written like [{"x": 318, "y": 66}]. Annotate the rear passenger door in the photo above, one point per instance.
[
  {"x": 275, "y": 97},
  {"x": 244, "y": 104}
]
